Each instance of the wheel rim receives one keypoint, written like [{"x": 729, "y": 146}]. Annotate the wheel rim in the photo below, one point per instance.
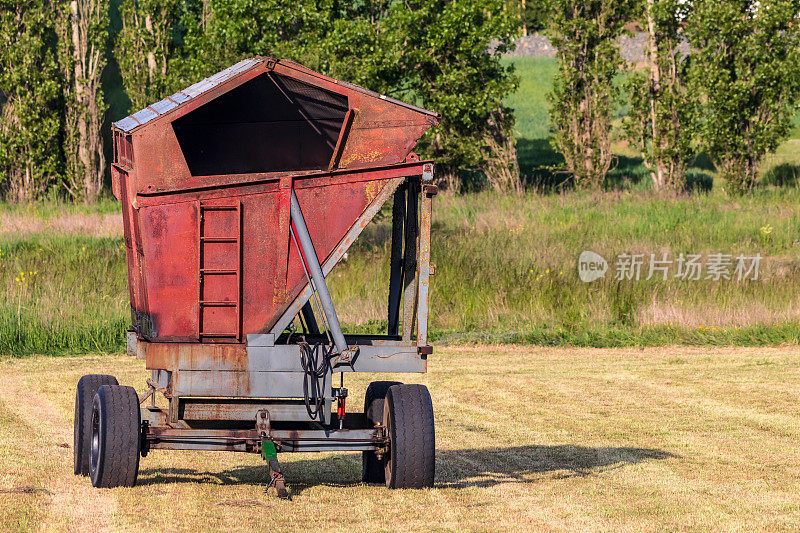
[
  {"x": 387, "y": 456},
  {"x": 76, "y": 433},
  {"x": 95, "y": 438}
]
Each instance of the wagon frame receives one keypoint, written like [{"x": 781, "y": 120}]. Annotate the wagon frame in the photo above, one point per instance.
[{"x": 236, "y": 377}]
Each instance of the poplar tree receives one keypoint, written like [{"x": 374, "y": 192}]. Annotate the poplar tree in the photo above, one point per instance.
[
  {"x": 586, "y": 36},
  {"x": 145, "y": 46},
  {"x": 658, "y": 122},
  {"x": 30, "y": 99},
  {"x": 83, "y": 30},
  {"x": 744, "y": 77},
  {"x": 437, "y": 53}
]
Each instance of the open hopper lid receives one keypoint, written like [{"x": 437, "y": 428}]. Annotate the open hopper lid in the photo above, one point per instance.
[
  {"x": 266, "y": 116},
  {"x": 194, "y": 92}
]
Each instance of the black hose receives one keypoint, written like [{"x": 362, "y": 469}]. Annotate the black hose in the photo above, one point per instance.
[{"x": 315, "y": 369}]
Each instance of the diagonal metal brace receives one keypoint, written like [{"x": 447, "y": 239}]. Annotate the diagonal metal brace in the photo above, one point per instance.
[{"x": 309, "y": 258}]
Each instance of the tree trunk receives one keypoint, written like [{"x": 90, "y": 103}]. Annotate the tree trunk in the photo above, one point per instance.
[
  {"x": 151, "y": 56},
  {"x": 657, "y": 171},
  {"x": 89, "y": 164},
  {"x": 79, "y": 45}
]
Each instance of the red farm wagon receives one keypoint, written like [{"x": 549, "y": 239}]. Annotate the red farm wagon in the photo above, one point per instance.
[{"x": 239, "y": 195}]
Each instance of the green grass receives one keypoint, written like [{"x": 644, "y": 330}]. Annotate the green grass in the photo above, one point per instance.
[
  {"x": 532, "y": 111},
  {"x": 506, "y": 266},
  {"x": 62, "y": 294},
  {"x": 795, "y": 127},
  {"x": 505, "y": 272},
  {"x": 530, "y": 103}
]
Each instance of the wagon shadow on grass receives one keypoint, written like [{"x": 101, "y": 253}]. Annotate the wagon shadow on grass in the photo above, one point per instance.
[{"x": 477, "y": 467}]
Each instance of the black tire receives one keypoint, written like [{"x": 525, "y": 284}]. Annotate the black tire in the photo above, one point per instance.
[
  {"x": 87, "y": 388},
  {"x": 408, "y": 417},
  {"x": 372, "y": 468},
  {"x": 116, "y": 427}
]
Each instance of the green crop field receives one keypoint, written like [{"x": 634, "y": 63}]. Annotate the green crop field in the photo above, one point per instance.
[
  {"x": 506, "y": 265},
  {"x": 528, "y": 439},
  {"x": 535, "y": 152}
]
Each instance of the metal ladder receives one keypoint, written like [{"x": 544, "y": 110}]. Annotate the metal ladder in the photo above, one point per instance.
[{"x": 235, "y": 271}]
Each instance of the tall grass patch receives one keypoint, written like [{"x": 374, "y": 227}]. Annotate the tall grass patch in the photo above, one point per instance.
[
  {"x": 62, "y": 294},
  {"x": 506, "y": 269}
]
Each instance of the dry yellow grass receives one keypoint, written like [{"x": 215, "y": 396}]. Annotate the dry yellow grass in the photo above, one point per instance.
[
  {"x": 15, "y": 225},
  {"x": 527, "y": 439},
  {"x": 660, "y": 312}
]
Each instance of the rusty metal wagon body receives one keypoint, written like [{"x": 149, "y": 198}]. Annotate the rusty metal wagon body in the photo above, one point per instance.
[{"x": 239, "y": 195}]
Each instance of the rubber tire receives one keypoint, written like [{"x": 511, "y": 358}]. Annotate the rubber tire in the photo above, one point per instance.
[
  {"x": 82, "y": 438},
  {"x": 372, "y": 468},
  {"x": 116, "y": 430},
  {"x": 408, "y": 415}
]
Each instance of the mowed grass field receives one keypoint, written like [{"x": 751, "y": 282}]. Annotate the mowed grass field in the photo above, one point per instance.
[{"x": 529, "y": 439}]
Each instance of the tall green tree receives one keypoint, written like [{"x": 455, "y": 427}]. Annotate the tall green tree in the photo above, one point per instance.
[
  {"x": 658, "y": 122},
  {"x": 585, "y": 35},
  {"x": 432, "y": 52},
  {"x": 83, "y": 39},
  {"x": 217, "y": 33},
  {"x": 30, "y": 82},
  {"x": 145, "y": 47},
  {"x": 436, "y": 53},
  {"x": 745, "y": 75}
]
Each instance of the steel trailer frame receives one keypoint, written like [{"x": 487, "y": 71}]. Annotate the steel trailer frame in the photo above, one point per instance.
[
  {"x": 253, "y": 392},
  {"x": 217, "y": 183}
]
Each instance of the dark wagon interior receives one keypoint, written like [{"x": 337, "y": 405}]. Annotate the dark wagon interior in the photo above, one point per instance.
[{"x": 271, "y": 123}]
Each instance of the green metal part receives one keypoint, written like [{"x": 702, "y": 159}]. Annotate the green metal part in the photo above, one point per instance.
[{"x": 268, "y": 450}]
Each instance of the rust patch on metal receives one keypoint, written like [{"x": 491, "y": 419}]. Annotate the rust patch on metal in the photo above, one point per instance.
[{"x": 194, "y": 356}]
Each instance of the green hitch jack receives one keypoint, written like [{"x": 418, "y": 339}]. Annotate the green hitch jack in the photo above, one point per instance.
[{"x": 270, "y": 454}]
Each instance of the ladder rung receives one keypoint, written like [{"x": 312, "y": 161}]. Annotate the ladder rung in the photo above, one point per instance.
[
  {"x": 217, "y": 304},
  {"x": 203, "y": 334},
  {"x": 219, "y": 207},
  {"x": 219, "y": 239},
  {"x": 217, "y": 271}
]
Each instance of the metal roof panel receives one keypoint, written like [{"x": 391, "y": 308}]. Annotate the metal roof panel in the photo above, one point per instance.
[
  {"x": 163, "y": 106},
  {"x": 145, "y": 115},
  {"x": 126, "y": 124},
  {"x": 179, "y": 97},
  {"x": 166, "y": 105}
]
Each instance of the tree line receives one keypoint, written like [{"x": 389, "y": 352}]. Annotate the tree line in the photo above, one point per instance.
[
  {"x": 435, "y": 53},
  {"x": 732, "y": 97},
  {"x": 51, "y": 101},
  {"x": 730, "y": 92}
]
